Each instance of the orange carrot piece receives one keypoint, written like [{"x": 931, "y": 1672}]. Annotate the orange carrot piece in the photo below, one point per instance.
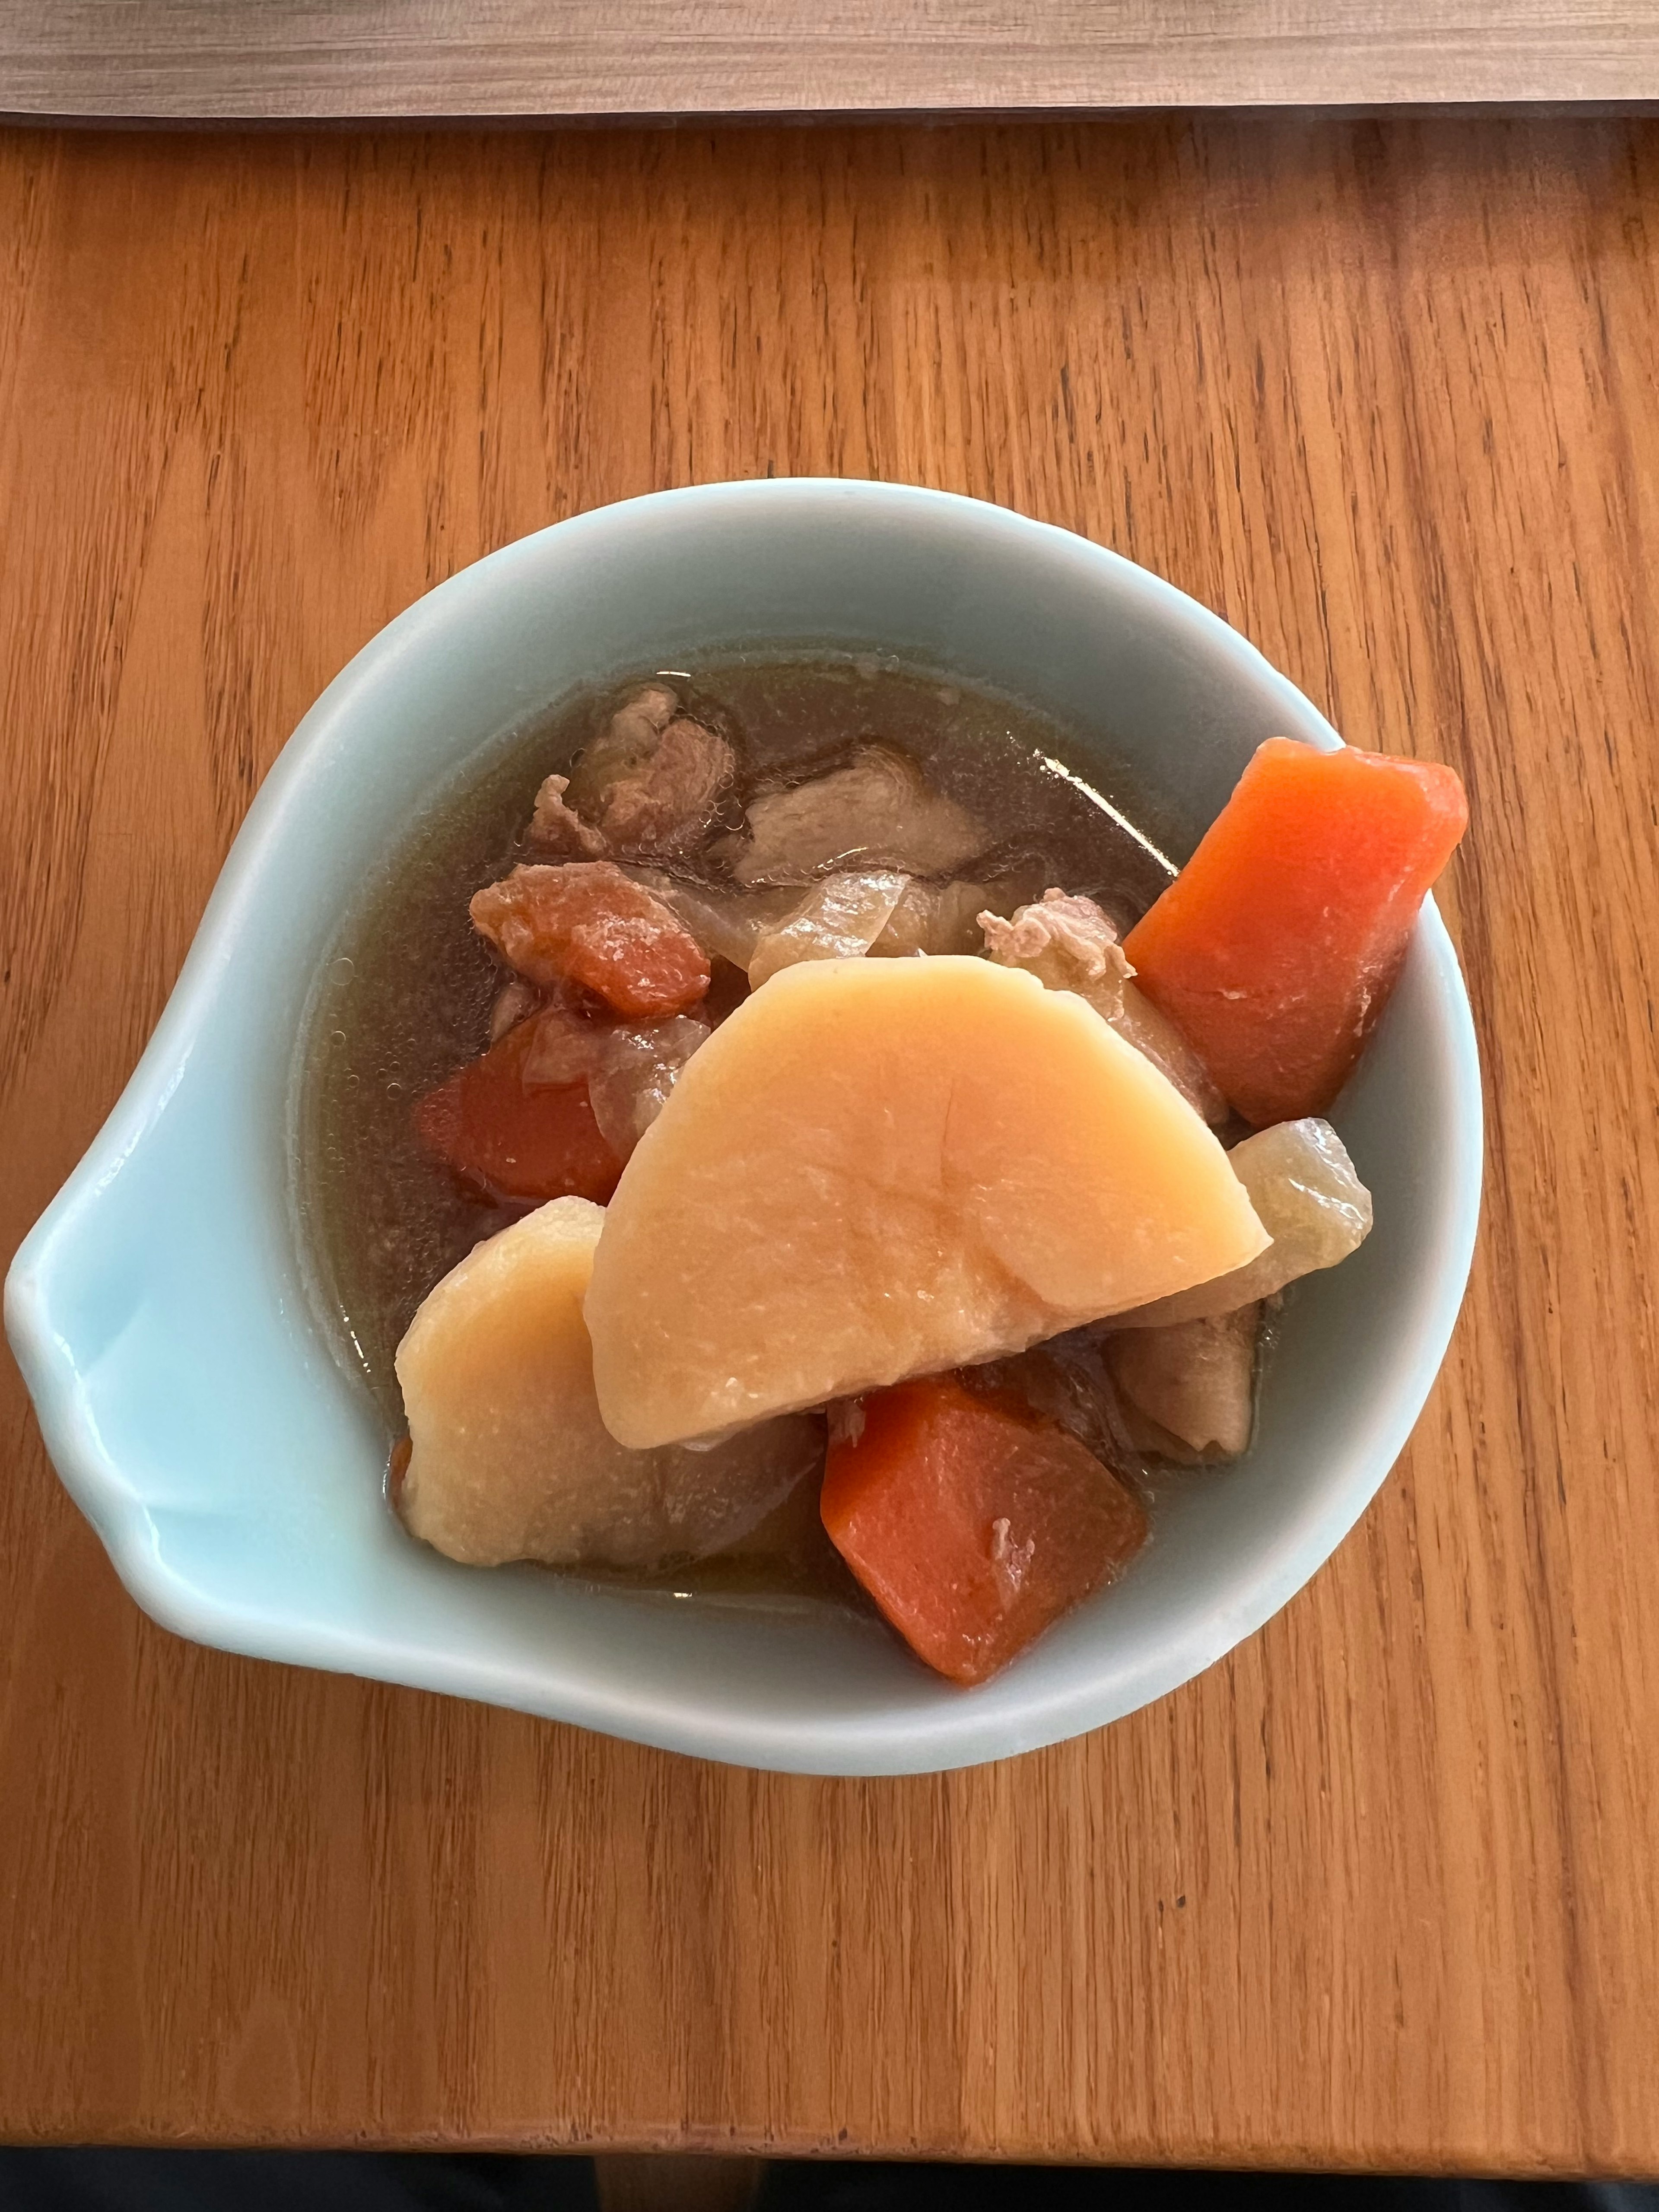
[
  {"x": 1276, "y": 947},
  {"x": 973, "y": 1526},
  {"x": 587, "y": 923},
  {"x": 507, "y": 1138}
]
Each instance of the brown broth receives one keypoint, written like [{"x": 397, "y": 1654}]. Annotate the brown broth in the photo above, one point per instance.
[{"x": 406, "y": 997}]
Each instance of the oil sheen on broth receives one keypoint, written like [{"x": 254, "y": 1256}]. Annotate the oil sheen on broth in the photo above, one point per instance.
[{"x": 406, "y": 997}]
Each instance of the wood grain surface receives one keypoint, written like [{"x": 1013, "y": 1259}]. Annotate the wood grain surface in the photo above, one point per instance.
[
  {"x": 561, "y": 58},
  {"x": 1378, "y": 1890}
]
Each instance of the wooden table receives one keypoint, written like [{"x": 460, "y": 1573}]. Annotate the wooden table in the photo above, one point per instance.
[{"x": 1381, "y": 1889}]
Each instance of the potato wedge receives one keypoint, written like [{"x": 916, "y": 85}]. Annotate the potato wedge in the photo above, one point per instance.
[{"x": 876, "y": 1168}]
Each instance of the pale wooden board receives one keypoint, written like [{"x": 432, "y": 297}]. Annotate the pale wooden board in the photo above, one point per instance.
[
  {"x": 1379, "y": 1889},
  {"x": 551, "y": 58}
]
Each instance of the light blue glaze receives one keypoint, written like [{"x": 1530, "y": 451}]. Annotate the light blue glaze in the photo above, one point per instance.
[{"x": 191, "y": 1399}]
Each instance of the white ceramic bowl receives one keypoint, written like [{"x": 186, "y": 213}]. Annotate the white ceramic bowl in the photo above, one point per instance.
[{"x": 190, "y": 1397}]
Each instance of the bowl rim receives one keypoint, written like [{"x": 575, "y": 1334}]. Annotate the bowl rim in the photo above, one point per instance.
[{"x": 941, "y": 1737}]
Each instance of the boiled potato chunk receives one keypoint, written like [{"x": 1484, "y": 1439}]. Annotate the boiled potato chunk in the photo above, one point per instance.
[
  {"x": 876, "y": 1168},
  {"x": 510, "y": 1459}
]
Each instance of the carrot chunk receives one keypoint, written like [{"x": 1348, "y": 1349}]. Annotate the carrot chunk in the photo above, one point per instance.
[
  {"x": 587, "y": 923},
  {"x": 510, "y": 1138},
  {"x": 972, "y": 1525},
  {"x": 1275, "y": 949}
]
